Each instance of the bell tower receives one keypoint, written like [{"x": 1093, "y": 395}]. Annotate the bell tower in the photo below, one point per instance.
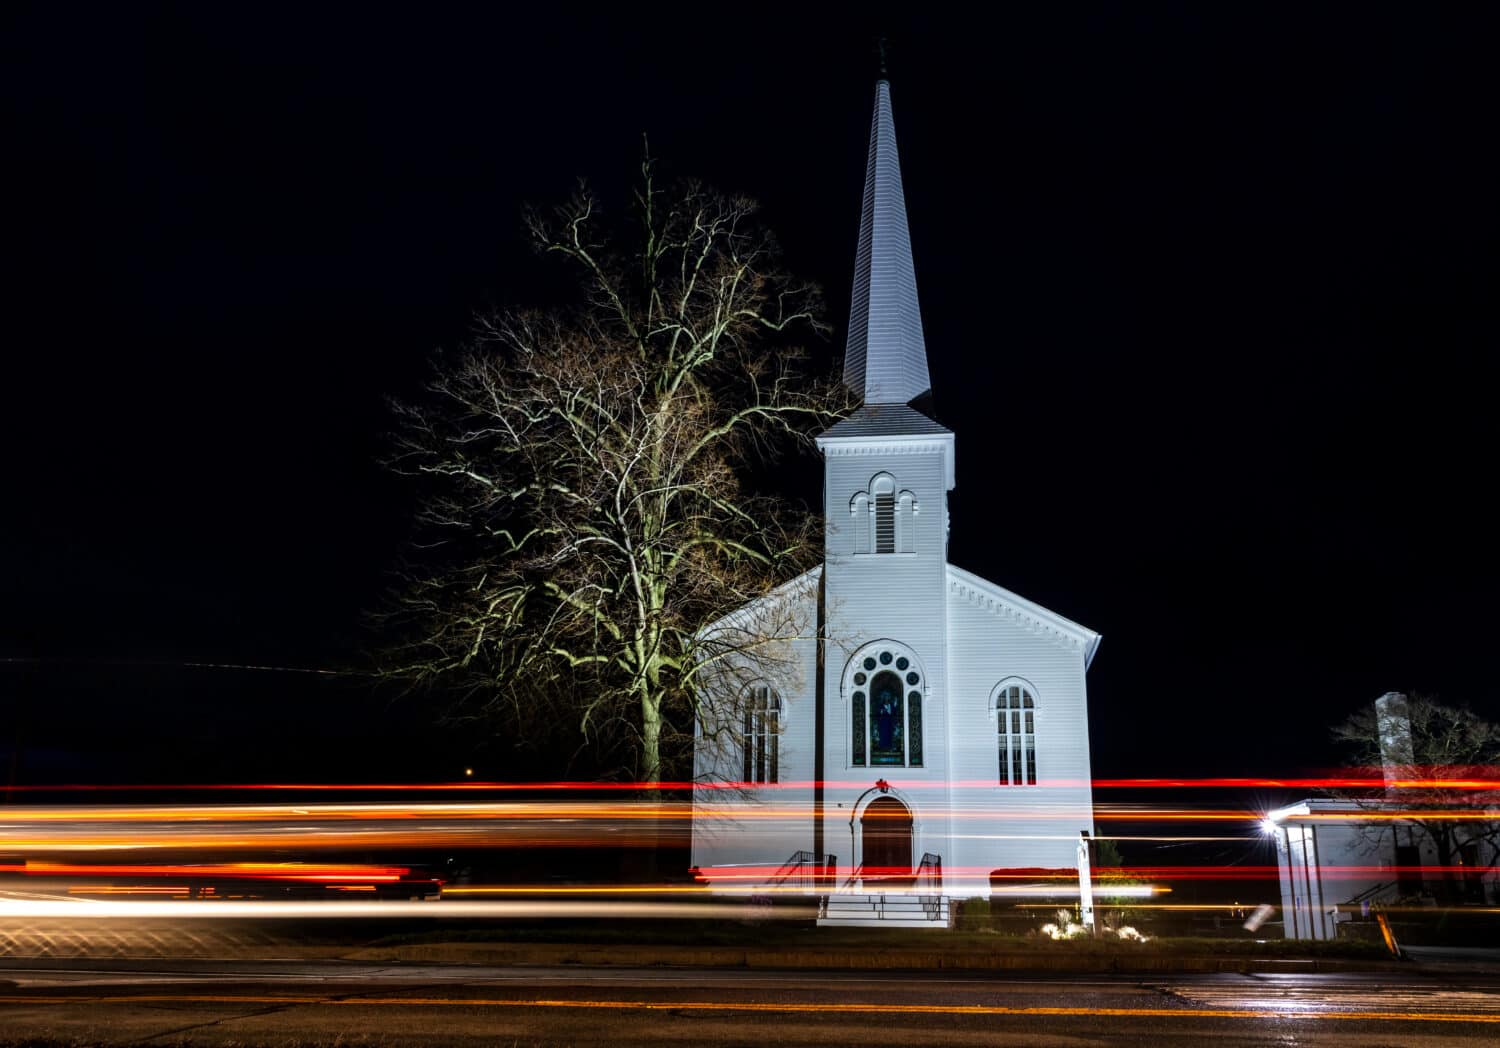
[{"x": 888, "y": 469}]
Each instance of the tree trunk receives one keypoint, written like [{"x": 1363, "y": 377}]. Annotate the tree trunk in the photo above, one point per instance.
[
  {"x": 1449, "y": 892},
  {"x": 651, "y": 737},
  {"x": 651, "y": 776}
]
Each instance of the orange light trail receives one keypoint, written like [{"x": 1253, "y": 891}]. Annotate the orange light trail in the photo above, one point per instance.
[
  {"x": 83, "y": 908},
  {"x": 1337, "y": 782},
  {"x": 1289, "y": 1010},
  {"x": 625, "y": 810},
  {"x": 261, "y": 812},
  {"x": 527, "y": 823},
  {"x": 233, "y": 870},
  {"x": 1479, "y": 778}
]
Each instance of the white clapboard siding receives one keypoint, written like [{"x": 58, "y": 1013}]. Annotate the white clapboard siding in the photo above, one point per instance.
[
  {"x": 733, "y": 827},
  {"x": 967, "y": 636},
  {"x": 991, "y": 641},
  {"x": 900, "y": 597}
]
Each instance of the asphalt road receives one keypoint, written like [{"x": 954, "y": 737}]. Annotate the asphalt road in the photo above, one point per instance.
[{"x": 240, "y": 1003}]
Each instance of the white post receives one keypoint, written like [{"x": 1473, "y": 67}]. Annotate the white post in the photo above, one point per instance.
[
  {"x": 1393, "y": 727},
  {"x": 1085, "y": 882}
]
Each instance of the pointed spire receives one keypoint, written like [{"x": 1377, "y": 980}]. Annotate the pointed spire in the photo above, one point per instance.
[{"x": 885, "y": 359}]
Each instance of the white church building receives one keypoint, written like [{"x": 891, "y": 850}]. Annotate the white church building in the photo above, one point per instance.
[{"x": 933, "y": 727}]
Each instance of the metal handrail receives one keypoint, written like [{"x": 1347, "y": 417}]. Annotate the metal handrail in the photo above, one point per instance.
[
  {"x": 1371, "y": 892},
  {"x": 793, "y": 865},
  {"x": 808, "y": 868},
  {"x": 1378, "y": 893},
  {"x": 931, "y": 867}
]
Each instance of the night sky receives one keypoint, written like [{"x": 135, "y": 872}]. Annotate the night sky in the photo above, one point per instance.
[{"x": 1210, "y": 299}]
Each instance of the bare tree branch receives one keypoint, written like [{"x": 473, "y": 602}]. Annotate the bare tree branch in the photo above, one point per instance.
[
  {"x": 582, "y": 481},
  {"x": 1447, "y": 744}
]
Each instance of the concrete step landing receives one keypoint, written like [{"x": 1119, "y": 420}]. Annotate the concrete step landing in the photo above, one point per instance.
[{"x": 885, "y": 910}]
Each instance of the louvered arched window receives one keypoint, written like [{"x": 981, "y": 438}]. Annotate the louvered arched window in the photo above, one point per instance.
[
  {"x": 884, "y": 518},
  {"x": 1015, "y": 723}
]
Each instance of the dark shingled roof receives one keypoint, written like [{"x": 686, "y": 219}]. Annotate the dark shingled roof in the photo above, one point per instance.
[{"x": 886, "y": 420}]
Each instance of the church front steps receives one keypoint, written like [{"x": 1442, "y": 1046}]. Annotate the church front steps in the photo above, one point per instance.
[{"x": 883, "y": 910}]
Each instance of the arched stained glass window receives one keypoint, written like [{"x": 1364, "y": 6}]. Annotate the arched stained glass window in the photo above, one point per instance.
[
  {"x": 859, "y": 728},
  {"x": 914, "y": 725},
  {"x": 762, "y": 731},
  {"x": 1015, "y": 722},
  {"x": 887, "y": 720},
  {"x": 884, "y": 688}
]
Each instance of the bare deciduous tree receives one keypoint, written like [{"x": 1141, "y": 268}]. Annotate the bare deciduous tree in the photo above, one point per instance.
[
  {"x": 1447, "y": 745},
  {"x": 583, "y": 478}
]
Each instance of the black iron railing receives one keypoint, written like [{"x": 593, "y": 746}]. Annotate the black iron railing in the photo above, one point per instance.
[
  {"x": 1374, "y": 897},
  {"x": 929, "y": 883},
  {"x": 930, "y": 869},
  {"x": 807, "y": 871}
]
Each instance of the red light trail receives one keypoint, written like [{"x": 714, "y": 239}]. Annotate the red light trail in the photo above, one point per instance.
[{"x": 1473, "y": 779}]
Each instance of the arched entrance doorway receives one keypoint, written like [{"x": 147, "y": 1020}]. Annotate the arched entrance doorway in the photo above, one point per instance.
[{"x": 885, "y": 833}]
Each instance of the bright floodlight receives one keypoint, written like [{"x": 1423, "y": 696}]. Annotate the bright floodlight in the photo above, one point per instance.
[{"x": 1268, "y": 826}]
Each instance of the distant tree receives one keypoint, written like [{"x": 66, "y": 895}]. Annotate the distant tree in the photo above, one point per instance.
[
  {"x": 582, "y": 474},
  {"x": 1115, "y": 910},
  {"x": 1447, "y": 744}
]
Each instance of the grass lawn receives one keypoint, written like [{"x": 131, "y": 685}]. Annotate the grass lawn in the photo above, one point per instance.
[{"x": 799, "y": 935}]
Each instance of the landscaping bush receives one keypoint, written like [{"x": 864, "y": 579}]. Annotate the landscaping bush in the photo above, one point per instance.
[{"x": 974, "y": 915}]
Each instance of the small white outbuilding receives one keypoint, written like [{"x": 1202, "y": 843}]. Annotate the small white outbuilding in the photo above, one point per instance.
[{"x": 1338, "y": 859}]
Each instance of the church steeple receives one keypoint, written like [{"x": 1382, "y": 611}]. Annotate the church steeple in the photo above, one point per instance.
[{"x": 885, "y": 359}]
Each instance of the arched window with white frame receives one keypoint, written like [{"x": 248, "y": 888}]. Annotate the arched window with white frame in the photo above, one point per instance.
[
  {"x": 762, "y": 734},
  {"x": 1015, "y": 731}
]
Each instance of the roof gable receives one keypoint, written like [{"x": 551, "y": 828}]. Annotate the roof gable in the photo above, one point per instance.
[
  {"x": 802, "y": 587},
  {"x": 1002, "y": 601}
]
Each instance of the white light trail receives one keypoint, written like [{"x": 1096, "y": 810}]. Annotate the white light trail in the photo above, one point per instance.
[{"x": 94, "y": 909}]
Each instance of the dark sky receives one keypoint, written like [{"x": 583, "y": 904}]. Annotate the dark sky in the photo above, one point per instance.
[{"x": 1209, "y": 294}]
